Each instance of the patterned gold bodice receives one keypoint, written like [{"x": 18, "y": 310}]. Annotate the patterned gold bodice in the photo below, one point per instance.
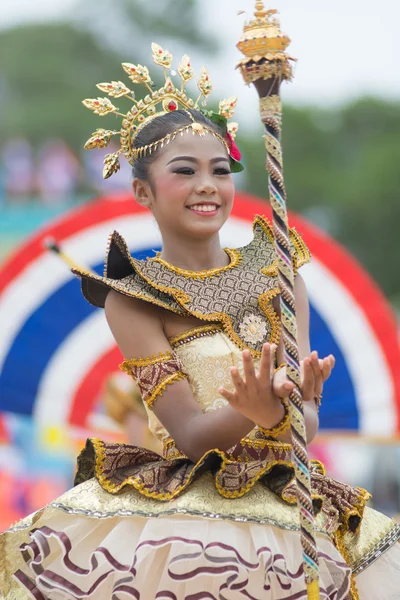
[
  {"x": 206, "y": 354},
  {"x": 238, "y": 296}
]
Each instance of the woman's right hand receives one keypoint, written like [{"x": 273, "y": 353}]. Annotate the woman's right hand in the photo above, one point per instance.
[{"x": 253, "y": 395}]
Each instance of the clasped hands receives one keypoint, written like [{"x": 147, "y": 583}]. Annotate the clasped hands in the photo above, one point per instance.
[{"x": 259, "y": 393}]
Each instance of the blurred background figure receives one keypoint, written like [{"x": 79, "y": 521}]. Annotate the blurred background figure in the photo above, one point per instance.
[
  {"x": 18, "y": 170},
  {"x": 57, "y": 172}
]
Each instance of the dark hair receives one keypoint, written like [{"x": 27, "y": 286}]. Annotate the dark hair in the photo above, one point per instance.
[{"x": 159, "y": 128}]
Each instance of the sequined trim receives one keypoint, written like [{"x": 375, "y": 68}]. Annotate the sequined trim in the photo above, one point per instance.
[
  {"x": 194, "y": 334},
  {"x": 179, "y": 511},
  {"x": 385, "y": 544},
  {"x": 233, "y": 254}
]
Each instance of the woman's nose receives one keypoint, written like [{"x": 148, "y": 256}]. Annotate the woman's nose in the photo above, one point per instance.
[{"x": 206, "y": 186}]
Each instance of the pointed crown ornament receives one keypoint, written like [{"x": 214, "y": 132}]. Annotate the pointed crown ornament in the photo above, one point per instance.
[
  {"x": 263, "y": 45},
  {"x": 156, "y": 103}
]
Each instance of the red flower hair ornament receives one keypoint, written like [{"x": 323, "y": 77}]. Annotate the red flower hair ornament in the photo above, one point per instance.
[{"x": 234, "y": 152}]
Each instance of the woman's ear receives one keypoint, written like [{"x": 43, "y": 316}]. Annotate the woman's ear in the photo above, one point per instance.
[{"x": 142, "y": 192}]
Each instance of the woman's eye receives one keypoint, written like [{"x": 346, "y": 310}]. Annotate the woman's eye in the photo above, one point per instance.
[
  {"x": 184, "y": 171},
  {"x": 222, "y": 171}
]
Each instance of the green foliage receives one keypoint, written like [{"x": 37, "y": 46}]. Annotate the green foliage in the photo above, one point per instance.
[
  {"x": 46, "y": 72},
  {"x": 341, "y": 171},
  {"x": 47, "y": 69}
]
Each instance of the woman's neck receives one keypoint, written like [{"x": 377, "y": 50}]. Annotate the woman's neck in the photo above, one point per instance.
[{"x": 194, "y": 255}]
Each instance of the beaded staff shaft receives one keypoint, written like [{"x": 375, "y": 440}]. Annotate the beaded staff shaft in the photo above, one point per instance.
[{"x": 266, "y": 65}]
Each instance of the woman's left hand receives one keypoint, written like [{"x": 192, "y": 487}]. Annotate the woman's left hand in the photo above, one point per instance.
[{"x": 314, "y": 371}]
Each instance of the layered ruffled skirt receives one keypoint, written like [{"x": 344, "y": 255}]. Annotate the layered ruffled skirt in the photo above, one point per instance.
[{"x": 223, "y": 528}]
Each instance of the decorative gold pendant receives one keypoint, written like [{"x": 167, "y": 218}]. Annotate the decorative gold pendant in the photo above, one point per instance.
[{"x": 198, "y": 128}]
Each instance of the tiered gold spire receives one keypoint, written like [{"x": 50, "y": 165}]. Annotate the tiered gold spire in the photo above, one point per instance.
[{"x": 263, "y": 45}]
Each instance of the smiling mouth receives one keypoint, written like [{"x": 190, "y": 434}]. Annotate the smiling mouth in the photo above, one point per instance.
[{"x": 204, "y": 207}]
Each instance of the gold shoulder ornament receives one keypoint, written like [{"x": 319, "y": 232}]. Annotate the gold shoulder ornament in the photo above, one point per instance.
[{"x": 156, "y": 103}]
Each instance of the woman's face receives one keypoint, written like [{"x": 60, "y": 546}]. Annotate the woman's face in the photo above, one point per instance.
[{"x": 191, "y": 188}]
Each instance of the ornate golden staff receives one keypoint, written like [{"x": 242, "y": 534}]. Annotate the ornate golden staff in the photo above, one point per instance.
[{"x": 266, "y": 65}]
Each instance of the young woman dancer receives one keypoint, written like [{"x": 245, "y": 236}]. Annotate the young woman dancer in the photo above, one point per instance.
[{"x": 199, "y": 327}]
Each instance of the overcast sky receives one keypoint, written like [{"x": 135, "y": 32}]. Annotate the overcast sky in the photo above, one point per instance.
[{"x": 345, "y": 48}]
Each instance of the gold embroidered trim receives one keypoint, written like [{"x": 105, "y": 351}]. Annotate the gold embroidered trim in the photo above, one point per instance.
[
  {"x": 115, "y": 287},
  {"x": 144, "y": 362},
  {"x": 246, "y": 488},
  {"x": 280, "y": 428},
  {"x": 162, "y": 386},
  {"x": 140, "y": 487},
  {"x": 265, "y": 303},
  {"x": 303, "y": 254},
  {"x": 320, "y": 467},
  {"x": 233, "y": 254},
  {"x": 340, "y": 545},
  {"x": 183, "y": 299},
  {"x": 170, "y": 450},
  {"x": 160, "y": 377},
  {"x": 356, "y": 510},
  {"x": 193, "y": 334}
]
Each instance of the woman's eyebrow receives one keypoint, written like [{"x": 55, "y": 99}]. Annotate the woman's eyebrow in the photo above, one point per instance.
[{"x": 193, "y": 159}]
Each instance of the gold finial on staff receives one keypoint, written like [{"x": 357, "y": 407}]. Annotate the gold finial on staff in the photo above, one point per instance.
[
  {"x": 264, "y": 47},
  {"x": 260, "y": 11}
]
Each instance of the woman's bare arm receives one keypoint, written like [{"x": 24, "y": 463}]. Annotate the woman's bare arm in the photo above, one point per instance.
[{"x": 138, "y": 331}]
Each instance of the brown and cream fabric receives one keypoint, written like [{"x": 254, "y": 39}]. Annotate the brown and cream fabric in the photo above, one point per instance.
[
  {"x": 238, "y": 296},
  {"x": 153, "y": 374}
]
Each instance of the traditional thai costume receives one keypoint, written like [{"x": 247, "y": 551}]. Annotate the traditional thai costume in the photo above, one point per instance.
[
  {"x": 141, "y": 525},
  {"x": 145, "y": 526}
]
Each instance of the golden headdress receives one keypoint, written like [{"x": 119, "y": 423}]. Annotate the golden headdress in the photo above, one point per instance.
[{"x": 156, "y": 103}]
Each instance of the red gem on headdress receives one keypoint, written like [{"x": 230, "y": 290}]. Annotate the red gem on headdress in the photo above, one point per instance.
[{"x": 172, "y": 106}]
